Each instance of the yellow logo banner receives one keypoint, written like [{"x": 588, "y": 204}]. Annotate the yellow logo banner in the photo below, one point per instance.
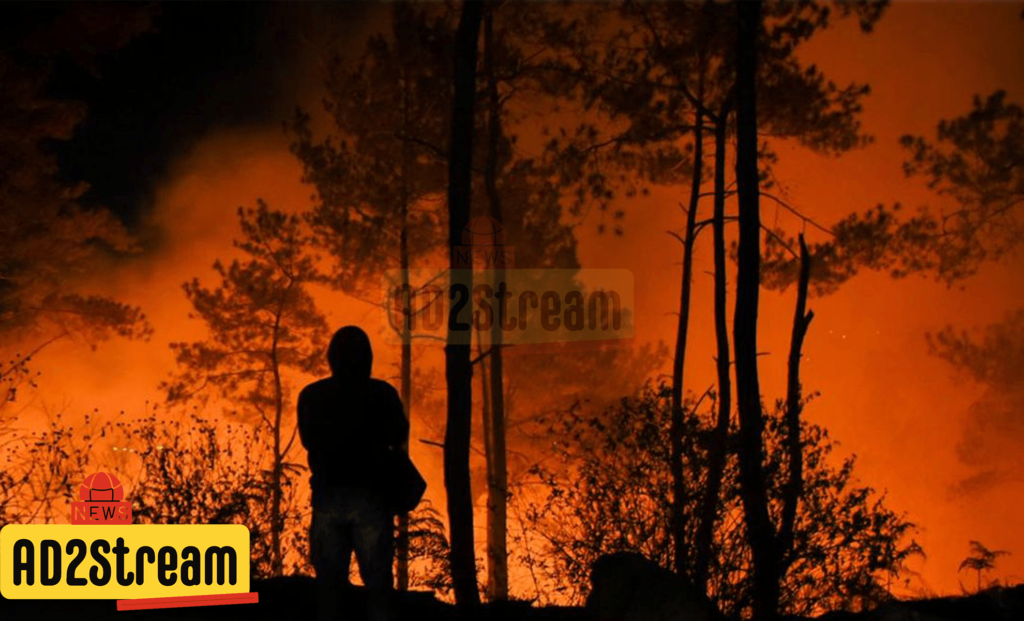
[{"x": 64, "y": 561}]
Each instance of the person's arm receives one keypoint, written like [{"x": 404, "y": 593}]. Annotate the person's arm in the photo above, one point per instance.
[
  {"x": 307, "y": 434},
  {"x": 398, "y": 429}
]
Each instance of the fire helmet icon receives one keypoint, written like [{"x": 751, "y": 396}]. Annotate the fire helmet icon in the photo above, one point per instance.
[
  {"x": 483, "y": 231},
  {"x": 101, "y": 487}
]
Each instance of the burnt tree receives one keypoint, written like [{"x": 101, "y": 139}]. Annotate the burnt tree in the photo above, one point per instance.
[{"x": 458, "y": 366}]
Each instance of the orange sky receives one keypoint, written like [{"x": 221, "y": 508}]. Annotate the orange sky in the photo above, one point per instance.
[{"x": 883, "y": 397}]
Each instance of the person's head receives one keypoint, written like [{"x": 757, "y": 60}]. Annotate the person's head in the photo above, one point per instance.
[{"x": 349, "y": 354}]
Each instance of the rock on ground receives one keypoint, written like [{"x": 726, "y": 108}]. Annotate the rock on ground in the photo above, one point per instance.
[{"x": 628, "y": 587}]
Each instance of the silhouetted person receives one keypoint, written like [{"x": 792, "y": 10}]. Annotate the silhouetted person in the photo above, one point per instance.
[{"x": 348, "y": 422}]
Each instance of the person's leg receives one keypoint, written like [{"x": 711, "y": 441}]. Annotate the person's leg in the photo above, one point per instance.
[
  {"x": 322, "y": 544},
  {"x": 345, "y": 552},
  {"x": 330, "y": 544},
  {"x": 372, "y": 538}
]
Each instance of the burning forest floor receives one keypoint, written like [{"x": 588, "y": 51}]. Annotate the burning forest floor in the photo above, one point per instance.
[{"x": 295, "y": 597}]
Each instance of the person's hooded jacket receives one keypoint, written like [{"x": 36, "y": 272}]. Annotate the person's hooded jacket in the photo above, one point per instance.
[{"x": 349, "y": 421}]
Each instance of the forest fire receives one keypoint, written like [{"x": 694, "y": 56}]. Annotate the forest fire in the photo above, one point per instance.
[{"x": 743, "y": 320}]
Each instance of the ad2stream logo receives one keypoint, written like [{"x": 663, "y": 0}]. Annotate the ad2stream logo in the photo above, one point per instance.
[
  {"x": 485, "y": 296},
  {"x": 102, "y": 555}
]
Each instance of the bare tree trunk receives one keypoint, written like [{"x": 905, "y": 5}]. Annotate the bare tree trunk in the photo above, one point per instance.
[
  {"x": 794, "y": 406},
  {"x": 276, "y": 520},
  {"x": 485, "y": 408},
  {"x": 679, "y": 525},
  {"x": 717, "y": 452},
  {"x": 402, "y": 543},
  {"x": 497, "y": 490},
  {"x": 497, "y": 475},
  {"x": 458, "y": 367},
  {"x": 489, "y": 459},
  {"x": 760, "y": 531}
]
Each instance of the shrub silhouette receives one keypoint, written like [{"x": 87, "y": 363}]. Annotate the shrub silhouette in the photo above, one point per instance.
[{"x": 608, "y": 490}]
